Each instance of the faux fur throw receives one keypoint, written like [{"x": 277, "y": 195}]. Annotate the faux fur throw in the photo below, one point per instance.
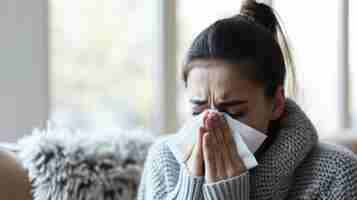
[{"x": 67, "y": 165}]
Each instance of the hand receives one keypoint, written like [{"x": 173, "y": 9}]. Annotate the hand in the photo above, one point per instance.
[
  {"x": 221, "y": 158},
  {"x": 194, "y": 155}
]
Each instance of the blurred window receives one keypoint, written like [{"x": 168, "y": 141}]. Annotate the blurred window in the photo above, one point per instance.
[{"x": 101, "y": 61}]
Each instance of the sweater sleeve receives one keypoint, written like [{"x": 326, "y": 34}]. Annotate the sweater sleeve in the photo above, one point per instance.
[
  {"x": 236, "y": 188},
  {"x": 161, "y": 180}
]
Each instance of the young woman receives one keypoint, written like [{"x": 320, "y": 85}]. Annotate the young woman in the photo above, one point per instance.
[{"x": 238, "y": 65}]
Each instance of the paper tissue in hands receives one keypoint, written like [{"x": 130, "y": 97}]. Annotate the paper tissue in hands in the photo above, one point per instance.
[{"x": 247, "y": 139}]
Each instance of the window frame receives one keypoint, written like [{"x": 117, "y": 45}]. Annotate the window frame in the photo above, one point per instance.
[{"x": 344, "y": 81}]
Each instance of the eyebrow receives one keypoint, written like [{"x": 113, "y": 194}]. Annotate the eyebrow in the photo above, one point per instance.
[{"x": 222, "y": 104}]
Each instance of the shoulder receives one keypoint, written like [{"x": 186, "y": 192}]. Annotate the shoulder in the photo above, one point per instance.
[
  {"x": 327, "y": 160},
  {"x": 161, "y": 165},
  {"x": 160, "y": 153},
  {"x": 327, "y": 166},
  {"x": 335, "y": 157}
]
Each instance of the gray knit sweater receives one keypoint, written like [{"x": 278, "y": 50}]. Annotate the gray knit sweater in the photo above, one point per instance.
[{"x": 294, "y": 166}]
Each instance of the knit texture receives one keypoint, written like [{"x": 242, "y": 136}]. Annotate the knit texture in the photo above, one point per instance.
[{"x": 294, "y": 166}]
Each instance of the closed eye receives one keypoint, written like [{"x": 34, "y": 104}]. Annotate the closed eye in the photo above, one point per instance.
[
  {"x": 197, "y": 102},
  {"x": 196, "y": 113},
  {"x": 237, "y": 115}
]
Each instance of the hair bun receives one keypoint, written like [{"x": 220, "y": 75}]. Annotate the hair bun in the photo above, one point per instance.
[{"x": 261, "y": 13}]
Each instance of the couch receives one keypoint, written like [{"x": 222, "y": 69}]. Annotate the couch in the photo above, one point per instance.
[{"x": 15, "y": 184}]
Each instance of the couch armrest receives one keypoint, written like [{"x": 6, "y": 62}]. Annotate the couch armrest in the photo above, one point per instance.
[
  {"x": 14, "y": 182},
  {"x": 346, "y": 138}
]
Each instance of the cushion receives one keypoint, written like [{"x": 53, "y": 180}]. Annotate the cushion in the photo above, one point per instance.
[{"x": 64, "y": 164}]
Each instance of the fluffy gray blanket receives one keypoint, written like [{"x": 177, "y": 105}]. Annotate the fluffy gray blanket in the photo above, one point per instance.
[{"x": 67, "y": 165}]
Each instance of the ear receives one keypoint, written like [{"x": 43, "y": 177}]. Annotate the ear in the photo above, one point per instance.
[{"x": 278, "y": 103}]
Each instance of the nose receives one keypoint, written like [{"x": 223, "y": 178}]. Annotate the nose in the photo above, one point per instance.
[
  {"x": 211, "y": 103},
  {"x": 212, "y": 106}
]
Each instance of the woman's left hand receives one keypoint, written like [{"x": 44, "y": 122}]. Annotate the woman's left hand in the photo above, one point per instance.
[{"x": 221, "y": 158}]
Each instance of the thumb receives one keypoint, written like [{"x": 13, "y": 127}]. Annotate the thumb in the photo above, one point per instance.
[
  {"x": 197, "y": 151},
  {"x": 199, "y": 140},
  {"x": 197, "y": 154}
]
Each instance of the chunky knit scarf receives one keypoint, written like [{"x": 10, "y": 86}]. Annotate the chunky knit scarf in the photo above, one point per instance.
[{"x": 294, "y": 139}]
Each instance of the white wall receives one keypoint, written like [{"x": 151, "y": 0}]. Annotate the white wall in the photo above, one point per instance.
[{"x": 23, "y": 67}]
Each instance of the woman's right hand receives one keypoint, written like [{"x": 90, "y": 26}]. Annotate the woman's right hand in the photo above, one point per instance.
[
  {"x": 194, "y": 157},
  {"x": 194, "y": 161}
]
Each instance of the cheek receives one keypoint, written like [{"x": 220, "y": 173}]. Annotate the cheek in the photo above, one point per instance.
[{"x": 257, "y": 119}]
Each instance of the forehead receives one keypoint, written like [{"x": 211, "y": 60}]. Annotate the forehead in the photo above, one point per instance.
[{"x": 216, "y": 77}]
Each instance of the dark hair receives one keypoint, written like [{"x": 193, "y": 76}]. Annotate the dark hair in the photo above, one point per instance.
[{"x": 254, "y": 37}]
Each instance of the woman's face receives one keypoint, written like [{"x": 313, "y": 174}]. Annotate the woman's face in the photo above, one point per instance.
[{"x": 216, "y": 84}]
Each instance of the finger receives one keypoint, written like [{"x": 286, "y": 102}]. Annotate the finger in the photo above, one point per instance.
[
  {"x": 196, "y": 161},
  {"x": 228, "y": 137},
  {"x": 218, "y": 133},
  {"x": 195, "y": 149},
  {"x": 188, "y": 152},
  {"x": 198, "y": 149},
  {"x": 205, "y": 116},
  {"x": 210, "y": 121},
  {"x": 221, "y": 150},
  {"x": 232, "y": 161},
  {"x": 209, "y": 157}
]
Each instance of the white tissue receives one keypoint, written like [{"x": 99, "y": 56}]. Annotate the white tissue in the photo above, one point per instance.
[{"x": 247, "y": 139}]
